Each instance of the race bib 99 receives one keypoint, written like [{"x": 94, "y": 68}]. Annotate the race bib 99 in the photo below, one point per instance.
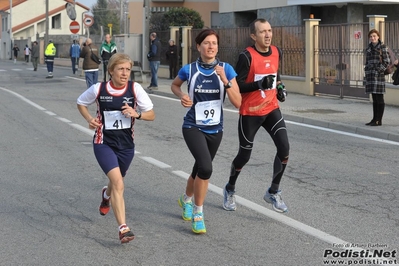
[{"x": 208, "y": 113}]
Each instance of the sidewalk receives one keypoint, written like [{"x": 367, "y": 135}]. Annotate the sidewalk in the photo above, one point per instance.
[{"x": 347, "y": 115}]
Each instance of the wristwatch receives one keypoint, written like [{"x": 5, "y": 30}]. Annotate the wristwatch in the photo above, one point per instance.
[
  {"x": 139, "y": 113},
  {"x": 228, "y": 85}
]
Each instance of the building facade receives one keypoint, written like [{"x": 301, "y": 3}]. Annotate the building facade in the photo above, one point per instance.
[
  {"x": 208, "y": 9},
  {"x": 237, "y": 13},
  {"x": 26, "y": 20}
]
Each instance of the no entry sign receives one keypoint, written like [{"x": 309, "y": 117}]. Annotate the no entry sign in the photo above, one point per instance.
[{"x": 74, "y": 27}]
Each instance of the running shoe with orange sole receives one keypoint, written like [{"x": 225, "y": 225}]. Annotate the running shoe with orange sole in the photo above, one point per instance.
[
  {"x": 104, "y": 206},
  {"x": 126, "y": 235}
]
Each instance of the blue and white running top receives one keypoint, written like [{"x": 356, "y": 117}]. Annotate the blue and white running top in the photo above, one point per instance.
[{"x": 207, "y": 92}]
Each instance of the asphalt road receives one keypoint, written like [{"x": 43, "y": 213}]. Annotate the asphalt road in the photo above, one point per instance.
[{"x": 339, "y": 189}]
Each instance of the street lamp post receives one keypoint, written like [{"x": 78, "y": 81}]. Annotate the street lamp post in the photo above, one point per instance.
[
  {"x": 11, "y": 42},
  {"x": 146, "y": 32},
  {"x": 47, "y": 25},
  {"x": 126, "y": 31}
]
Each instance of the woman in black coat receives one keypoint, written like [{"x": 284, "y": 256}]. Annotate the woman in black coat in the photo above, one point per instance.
[
  {"x": 377, "y": 60},
  {"x": 171, "y": 56}
]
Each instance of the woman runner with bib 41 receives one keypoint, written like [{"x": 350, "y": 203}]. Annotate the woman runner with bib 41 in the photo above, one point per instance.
[
  {"x": 208, "y": 81},
  {"x": 119, "y": 103}
]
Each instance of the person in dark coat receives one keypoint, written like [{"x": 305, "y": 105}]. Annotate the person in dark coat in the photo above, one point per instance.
[
  {"x": 90, "y": 67},
  {"x": 16, "y": 50},
  {"x": 377, "y": 60},
  {"x": 154, "y": 56},
  {"x": 171, "y": 56},
  {"x": 35, "y": 55}
]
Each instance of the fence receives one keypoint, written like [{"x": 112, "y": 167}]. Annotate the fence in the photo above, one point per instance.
[
  {"x": 233, "y": 41},
  {"x": 390, "y": 39}
]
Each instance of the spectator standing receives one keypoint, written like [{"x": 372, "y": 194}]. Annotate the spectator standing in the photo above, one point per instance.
[
  {"x": 377, "y": 60},
  {"x": 27, "y": 53},
  {"x": 35, "y": 55},
  {"x": 171, "y": 56},
  {"x": 90, "y": 67},
  {"x": 154, "y": 56},
  {"x": 49, "y": 55},
  {"x": 15, "y": 50},
  {"x": 74, "y": 53},
  {"x": 107, "y": 49}
]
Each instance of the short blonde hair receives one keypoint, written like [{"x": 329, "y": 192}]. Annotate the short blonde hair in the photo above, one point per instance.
[{"x": 117, "y": 59}]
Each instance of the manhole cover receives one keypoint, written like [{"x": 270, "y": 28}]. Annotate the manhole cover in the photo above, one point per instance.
[{"x": 320, "y": 111}]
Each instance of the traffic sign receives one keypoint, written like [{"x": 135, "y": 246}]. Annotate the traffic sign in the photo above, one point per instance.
[
  {"x": 74, "y": 27},
  {"x": 71, "y": 12},
  {"x": 88, "y": 21}
]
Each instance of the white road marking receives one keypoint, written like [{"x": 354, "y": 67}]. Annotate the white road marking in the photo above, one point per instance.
[
  {"x": 247, "y": 203},
  {"x": 80, "y": 79},
  {"x": 64, "y": 120},
  {"x": 24, "y": 99},
  {"x": 83, "y": 129},
  {"x": 16, "y": 69},
  {"x": 343, "y": 133},
  {"x": 1, "y": 70},
  {"x": 156, "y": 162},
  {"x": 276, "y": 216},
  {"x": 164, "y": 97},
  {"x": 50, "y": 113}
]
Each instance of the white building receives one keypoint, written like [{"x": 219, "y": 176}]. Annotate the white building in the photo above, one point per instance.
[{"x": 26, "y": 20}]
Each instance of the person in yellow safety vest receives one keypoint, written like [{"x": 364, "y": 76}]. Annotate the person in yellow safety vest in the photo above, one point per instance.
[{"x": 49, "y": 55}]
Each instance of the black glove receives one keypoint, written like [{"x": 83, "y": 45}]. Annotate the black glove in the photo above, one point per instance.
[
  {"x": 281, "y": 92},
  {"x": 266, "y": 82}
]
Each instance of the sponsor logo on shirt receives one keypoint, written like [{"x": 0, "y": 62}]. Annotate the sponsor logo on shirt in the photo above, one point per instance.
[
  {"x": 199, "y": 89},
  {"x": 127, "y": 99},
  {"x": 107, "y": 99}
]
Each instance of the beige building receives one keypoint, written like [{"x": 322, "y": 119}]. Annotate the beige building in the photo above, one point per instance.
[
  {"x": 208, "y": 9},
  {"x": 27, "y": 20}
]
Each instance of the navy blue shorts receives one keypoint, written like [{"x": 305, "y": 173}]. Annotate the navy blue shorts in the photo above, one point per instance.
[{"x": 109, "y": 158}]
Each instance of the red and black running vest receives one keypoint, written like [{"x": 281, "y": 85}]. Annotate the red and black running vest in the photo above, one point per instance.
[{"x": 260, "y": 103}]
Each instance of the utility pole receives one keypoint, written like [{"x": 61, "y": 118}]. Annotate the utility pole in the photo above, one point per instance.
[
  {"x": 11, "y": 42},
  {"x": 146, "y": 33},
  {"x": 47, "y": 26},
  {"x": 121, "y": 16}
]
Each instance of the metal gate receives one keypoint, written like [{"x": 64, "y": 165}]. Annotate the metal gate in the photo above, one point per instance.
[{"x": 339, "y": 59}]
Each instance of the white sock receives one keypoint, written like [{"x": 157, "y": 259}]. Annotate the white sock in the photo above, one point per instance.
[
  {"x": 105, "y": 195},
  {"x": 122, "y": 226},
  {"x": 186, "y": 198},
  {"x": 198, "y": 209}
]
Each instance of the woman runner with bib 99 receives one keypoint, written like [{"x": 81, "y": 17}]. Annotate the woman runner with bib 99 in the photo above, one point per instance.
[
  {"x": 119, "y": 103},
  {"x": 208, "y": 81}
]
